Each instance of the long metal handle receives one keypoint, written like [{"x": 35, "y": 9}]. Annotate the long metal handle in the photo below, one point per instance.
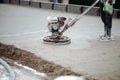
[
  {"x": 73, "y": 21},
  {"x": 88, "y": 9}
]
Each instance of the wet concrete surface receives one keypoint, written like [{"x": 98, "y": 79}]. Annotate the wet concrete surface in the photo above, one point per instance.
[{"x": 25, "y": 28}]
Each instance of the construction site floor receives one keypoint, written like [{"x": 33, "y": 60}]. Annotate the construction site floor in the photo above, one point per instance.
[{"x": 25, "y": 28}]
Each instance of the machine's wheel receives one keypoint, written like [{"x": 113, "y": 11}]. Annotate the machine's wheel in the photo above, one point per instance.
[{"x": 54, "y": 41}]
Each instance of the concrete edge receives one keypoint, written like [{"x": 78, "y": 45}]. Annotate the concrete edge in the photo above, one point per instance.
[{"x": 79, "y": 9}]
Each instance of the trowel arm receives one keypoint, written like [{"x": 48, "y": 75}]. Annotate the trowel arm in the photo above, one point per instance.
[{"x": 73, "y": 21}]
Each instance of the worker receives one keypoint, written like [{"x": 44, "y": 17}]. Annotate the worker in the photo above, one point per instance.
[{"x": 107, "y": 20}]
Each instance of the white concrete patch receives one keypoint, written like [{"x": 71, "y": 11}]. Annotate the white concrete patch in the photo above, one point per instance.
[
  {"x": 42, "y": 75},
  {"x": 70, "y": 78},
  {"x": 22, "y": 73},
  {"x": 3, "y": 74}
]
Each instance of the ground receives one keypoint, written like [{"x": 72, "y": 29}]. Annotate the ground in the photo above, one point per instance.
[
  {"x": 14, "y": 55},
  {"x": 24, "y": 27}
]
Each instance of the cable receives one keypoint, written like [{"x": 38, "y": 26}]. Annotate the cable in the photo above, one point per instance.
[{"x": 9, "y": 69}]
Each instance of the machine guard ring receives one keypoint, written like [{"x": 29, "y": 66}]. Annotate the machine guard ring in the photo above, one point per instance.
[{"x": 61, "y": 41}]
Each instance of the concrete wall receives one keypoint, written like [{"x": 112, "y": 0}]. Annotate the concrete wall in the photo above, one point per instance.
[
  {"x": 40, "y": 0},
  {"x": 60, "y": 7},
  {"x": 46, "y": 5},
  {"x": 65, "y": 1},
  {"x": 24, "y": 2},
  {"x": 74, "y": 8},
  {"x": 15, "y": 2},
  {"x": 6, "y": 1},
  {"x": 35, "y": 4}
]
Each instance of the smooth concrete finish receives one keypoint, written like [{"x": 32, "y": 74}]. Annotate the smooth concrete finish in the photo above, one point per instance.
[{"x": 25, "y": 28}]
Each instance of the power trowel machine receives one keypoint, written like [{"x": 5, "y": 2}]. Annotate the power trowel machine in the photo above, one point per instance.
[{"x": 58, "y": 25}]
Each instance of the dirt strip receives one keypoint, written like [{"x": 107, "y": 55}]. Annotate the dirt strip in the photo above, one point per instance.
[{"x": 11, "y": 53}]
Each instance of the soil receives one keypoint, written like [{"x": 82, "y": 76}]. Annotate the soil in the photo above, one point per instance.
[{"x": 12, "y": 54}]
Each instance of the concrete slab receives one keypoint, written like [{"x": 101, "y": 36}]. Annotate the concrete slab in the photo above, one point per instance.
[{"x": 85, "y": 54}]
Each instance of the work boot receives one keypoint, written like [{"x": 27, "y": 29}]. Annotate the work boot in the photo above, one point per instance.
[
  {"x": 109, "y": 37},
  {"x": 108, "y": 34},
  {"x": 104, "y": 36}
]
